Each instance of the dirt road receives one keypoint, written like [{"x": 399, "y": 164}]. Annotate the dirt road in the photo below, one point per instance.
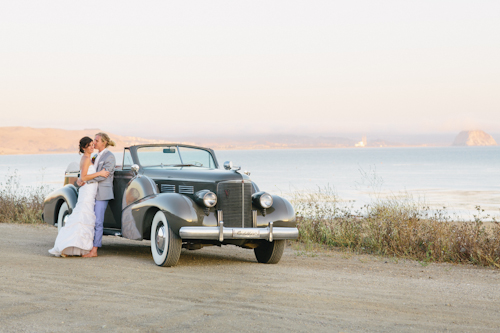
[{"x": 225, "y": 289}]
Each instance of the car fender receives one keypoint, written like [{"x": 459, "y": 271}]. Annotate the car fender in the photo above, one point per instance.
[
  {"x": 179, "y": 210},
  {"x": 281, "y": 213},
  {"x": 55, "y": 199}
]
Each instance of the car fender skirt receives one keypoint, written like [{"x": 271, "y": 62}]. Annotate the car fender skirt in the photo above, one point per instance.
[
  {"x": 179, "y": 211},
  {"x": 53, "y": 200}
]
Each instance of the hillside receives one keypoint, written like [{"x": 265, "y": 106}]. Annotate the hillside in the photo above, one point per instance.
[{"x": 28, "y": 140}]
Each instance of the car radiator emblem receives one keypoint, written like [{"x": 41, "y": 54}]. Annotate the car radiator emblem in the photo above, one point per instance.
[{"x": 227, "y": 193}]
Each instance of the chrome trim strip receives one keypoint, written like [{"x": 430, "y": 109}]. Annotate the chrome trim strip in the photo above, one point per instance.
[
  {"x": 218, "y": 233},
  {"x": 219, "y": 216},
  {"x": 242, "y": 204},
  {"x": 254, "y": 218},
  {"x": 246, "y": 181},
  {"x": 270, "y": 232},
  {"x": 183, "y": 180}
]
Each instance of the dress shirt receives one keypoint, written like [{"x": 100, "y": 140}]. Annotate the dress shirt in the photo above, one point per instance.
[{"x": 96, "y": 162}]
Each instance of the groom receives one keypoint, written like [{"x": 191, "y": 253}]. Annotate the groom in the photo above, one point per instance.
[{"x": 104, "y": 160}]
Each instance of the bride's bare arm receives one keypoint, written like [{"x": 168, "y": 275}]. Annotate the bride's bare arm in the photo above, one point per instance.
[{"x": 85, "y": 167}]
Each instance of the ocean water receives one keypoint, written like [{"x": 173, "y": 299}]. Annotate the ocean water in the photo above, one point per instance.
[{"x": 458, "y": 178}]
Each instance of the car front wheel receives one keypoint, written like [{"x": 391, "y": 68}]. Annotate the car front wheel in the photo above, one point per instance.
[
  {"x": 62, "y": 216},
  {"x": 165, "y": 244},
  {"x": 270, "y": 252}
]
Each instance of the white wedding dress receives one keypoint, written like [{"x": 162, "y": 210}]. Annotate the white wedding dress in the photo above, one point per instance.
[{"x": 76, "y": 237}]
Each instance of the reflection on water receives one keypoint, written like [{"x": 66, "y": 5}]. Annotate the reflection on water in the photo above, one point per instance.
[{"x": 458, "y": 178}]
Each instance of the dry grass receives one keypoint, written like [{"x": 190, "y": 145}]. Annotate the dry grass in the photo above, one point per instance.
[
  {"x": 398, "y": 227},
  {"x": 19, "y": 204}
]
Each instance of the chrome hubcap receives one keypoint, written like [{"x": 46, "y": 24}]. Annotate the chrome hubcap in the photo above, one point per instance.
[{"x": 160, "y": 239}]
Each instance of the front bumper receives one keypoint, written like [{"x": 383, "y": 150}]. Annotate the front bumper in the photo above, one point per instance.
[{"x": 220, "y": 233}]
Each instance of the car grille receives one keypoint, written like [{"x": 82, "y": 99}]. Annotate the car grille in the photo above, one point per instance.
[
  {"x": 166, "y": 188},
  {"x": 235, "y": 201},
  {"x": 186, "y": 189}
]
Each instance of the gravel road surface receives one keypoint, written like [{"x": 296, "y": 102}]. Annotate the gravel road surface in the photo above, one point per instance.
[{"x": 224, "y": 289}]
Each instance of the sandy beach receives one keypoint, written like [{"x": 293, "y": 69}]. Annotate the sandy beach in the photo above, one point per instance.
[{"x": 216, "y": 289}]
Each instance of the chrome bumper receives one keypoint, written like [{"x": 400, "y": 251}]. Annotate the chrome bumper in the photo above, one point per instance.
[{"x": 220, "y": 233}]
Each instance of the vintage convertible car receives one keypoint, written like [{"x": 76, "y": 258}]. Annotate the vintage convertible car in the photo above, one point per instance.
[{"x": 176, "y": 196}]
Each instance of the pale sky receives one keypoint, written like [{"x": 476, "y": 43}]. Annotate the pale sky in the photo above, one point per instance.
[{"x": 149, "y": 68}]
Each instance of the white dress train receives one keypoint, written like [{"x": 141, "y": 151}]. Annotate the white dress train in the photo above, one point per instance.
[{"x": 76, "y": 238}]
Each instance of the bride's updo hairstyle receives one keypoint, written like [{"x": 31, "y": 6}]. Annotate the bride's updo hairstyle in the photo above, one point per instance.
[
  {"x": 105, "y": 138},
  {"x": 84, "y": 143}
]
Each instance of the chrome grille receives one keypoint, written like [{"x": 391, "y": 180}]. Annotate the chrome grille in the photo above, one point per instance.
[
  {"x": 186, "y": 189},
  {"x": 167, "y": 188},
  {"x": 235, "y": 201}
]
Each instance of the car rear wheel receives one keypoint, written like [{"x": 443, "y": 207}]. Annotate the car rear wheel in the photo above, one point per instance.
[
  {"x": 270, "y": 252},
  {"x": 62, "y": 216},
  {"x": 165, "y": 244}
]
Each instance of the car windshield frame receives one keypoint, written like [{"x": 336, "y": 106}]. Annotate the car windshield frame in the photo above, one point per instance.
[{"x": 180, "y": 156}]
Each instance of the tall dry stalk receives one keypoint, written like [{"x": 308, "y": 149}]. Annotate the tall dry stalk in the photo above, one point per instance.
[
  {"x": 397, "y": 226},
  {"x": 19, "y": 204}
]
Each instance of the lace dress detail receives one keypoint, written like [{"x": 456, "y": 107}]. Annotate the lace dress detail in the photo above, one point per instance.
[{"x": 77, "y": 236}]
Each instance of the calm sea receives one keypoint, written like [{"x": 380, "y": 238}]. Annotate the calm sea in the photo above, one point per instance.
[{"x": 459, "y": 178}]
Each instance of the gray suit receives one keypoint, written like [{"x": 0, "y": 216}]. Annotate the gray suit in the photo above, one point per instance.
[
  {"x": 105, "y": 184},
  {"x": 104, "y": 193}
]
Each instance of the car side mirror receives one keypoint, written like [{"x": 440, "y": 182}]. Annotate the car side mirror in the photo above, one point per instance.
[{"x": 135, "y": 169}]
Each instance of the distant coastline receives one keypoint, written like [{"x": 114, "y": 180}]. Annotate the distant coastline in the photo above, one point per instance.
[
  {"x": 218, "y": 147},
  {"x": 34, "y": 141}
]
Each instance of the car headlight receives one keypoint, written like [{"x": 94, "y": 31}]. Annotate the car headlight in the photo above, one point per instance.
[
  {"x": 210, "y": 199},
  {"x": 262, "y": 199},
  {"x": 206, "y": 198}
]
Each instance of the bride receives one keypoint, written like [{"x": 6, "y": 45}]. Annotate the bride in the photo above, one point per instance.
[{"x": 76, "y": 237}]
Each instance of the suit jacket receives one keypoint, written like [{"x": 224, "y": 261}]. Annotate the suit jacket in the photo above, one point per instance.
[{"x": 105, "y": 185}]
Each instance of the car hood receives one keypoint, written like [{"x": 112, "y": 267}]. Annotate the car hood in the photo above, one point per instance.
[{"x": 194, "y": 174}]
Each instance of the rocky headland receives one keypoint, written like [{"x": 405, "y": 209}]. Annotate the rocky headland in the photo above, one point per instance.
[{"x": 474, "y": 138}]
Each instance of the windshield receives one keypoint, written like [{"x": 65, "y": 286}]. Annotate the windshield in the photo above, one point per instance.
[{"x": 174, "y": 156}]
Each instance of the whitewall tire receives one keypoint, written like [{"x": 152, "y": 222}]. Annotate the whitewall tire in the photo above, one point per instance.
[
  {"x": 62, "y": 216},
  {"x": 165, "y": 244}
]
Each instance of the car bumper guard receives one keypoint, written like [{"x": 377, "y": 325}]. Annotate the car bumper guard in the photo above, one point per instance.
[{"x": 220, "y": 233}]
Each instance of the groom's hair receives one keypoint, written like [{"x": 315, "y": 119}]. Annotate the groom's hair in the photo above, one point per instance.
[{"x": 105, "y": 138}]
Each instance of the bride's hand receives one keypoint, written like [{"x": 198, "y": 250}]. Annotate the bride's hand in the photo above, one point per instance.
[{"x": 104, "y": 173}]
